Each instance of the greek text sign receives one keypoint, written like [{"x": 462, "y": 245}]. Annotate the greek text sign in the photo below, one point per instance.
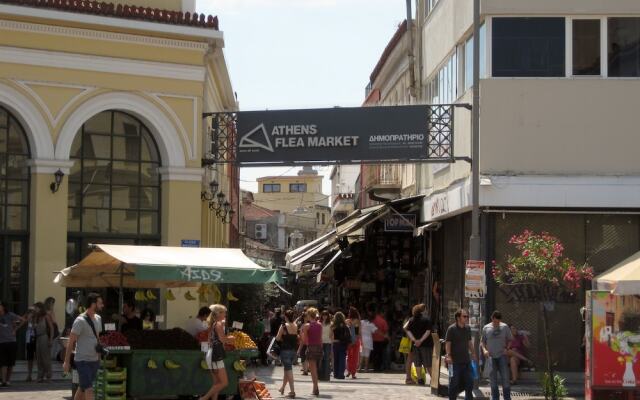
[
  {"x": 396, "y": 223},
  {"x": 333, "y": 135}
]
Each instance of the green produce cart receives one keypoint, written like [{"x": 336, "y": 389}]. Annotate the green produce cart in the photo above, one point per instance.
[{"x": 183, "y": 375}]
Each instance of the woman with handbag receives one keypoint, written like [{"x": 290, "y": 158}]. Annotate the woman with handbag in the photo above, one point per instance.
[
  {"x": 312, "y": 337},
  {"x": 288, "y": 338},
  {"x": 216, "y": 354}
]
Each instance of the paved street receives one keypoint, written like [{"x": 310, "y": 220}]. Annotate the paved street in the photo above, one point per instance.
[{"x": 367, "y": 386}]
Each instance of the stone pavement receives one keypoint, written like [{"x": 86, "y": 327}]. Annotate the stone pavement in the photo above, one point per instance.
[{"x": 366, "y": 386}]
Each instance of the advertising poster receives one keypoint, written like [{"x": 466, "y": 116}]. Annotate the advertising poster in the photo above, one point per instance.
[
  {"x": 616, "y": 341},
  {"x": 475, "y": 285}
]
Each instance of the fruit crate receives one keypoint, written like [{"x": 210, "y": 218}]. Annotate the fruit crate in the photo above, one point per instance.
[
  {"x": 112, "y": 375},
  {"x": 110, "y": 362},
  {"x": 103, "y": 396}
]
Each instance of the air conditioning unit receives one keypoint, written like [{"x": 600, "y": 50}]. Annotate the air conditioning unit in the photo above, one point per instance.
[{"x": 261, "y": 231}]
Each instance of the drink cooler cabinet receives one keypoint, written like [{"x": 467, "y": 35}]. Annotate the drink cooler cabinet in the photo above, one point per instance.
[{"x": 188, "y": 379}]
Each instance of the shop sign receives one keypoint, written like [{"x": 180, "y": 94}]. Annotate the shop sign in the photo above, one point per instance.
[
  {"x": 336, "y": 134},
  {"x": 397, "y": 223},
  {"x": 202, "y": 274},
  {"x": 439, "y": 205},
  {"x": 615, "y": 333},
  {"x": 475, "y": 285},
  {"x": 190, "y": 243}
]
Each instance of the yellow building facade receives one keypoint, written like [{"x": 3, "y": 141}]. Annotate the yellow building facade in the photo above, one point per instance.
[{"x": 112, "y": 97}]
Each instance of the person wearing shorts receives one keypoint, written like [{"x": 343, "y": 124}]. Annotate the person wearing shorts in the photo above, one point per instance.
[
  {"x": 366, "y": 337},
  {"x": 83, "y": 339},
  {"x": 418, "y": 329},
  {"x": 287, "y": 336},
  {"x": 8, "y": 345}
]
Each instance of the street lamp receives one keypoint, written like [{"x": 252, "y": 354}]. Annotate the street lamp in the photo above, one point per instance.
[{"x": 213, "y": 189}]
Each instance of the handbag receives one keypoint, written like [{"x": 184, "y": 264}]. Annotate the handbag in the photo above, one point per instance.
[{"x": 216, "y": 346}]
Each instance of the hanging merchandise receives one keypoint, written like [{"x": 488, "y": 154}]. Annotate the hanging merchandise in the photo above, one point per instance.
[
  {"x": 169, "y": 295},
  {"x": 231, "y": 297},
  {"x": 189, "y": 296}
]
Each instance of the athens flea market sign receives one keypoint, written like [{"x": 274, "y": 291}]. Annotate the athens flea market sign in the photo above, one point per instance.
[{"x": 336, "y": 135}]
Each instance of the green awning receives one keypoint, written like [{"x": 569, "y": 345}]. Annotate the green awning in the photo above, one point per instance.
[{"x": 162, "y": 266}]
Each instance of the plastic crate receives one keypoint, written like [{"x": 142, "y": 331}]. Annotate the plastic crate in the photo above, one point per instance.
[
  {"x": 109, "y": 363},
  {"x": 113, "y": 375}
]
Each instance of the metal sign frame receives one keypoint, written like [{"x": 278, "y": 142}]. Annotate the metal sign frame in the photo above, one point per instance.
[{"x": 222, "y": 131}]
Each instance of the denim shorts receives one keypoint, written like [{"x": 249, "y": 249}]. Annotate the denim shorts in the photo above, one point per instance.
[
  {"x": 288, "y": 357},
  {"x": 87, "y": 373}
]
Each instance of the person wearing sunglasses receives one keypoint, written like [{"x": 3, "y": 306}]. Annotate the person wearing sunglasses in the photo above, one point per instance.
[
  {"x": 496, "y": 335},
  {"x": 459, "y": 348}
]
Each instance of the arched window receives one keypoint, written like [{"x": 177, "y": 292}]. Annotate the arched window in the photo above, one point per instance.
[
  {"x": 14, "y": 211},
  {"x": 114, "y": 184}
]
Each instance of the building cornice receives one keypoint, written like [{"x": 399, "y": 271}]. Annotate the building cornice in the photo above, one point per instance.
[
  {"x": 40, "y": 166},
  {"x": 51, "y": 59},
  {"x": 181, "y": 174},
  {"x": 19, "y": 26},
  {"x": 112, "y": 22}
]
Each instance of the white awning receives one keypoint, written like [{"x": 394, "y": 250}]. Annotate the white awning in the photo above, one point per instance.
[
  {"x": 622, "y": 279},
  {"x": 431, "y": 226},
  {"x": 162, "y": 266}
]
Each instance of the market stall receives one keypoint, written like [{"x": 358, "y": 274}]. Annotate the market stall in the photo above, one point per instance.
[
  {"x": 612, "y": 333},
  {"x": 165, "y": 362}
]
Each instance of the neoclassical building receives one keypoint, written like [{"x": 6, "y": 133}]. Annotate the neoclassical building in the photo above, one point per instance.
[{"x": 112, "y": 97}]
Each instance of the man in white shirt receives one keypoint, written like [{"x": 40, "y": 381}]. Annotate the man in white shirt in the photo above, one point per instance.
[{"x": 198, "y": 324}]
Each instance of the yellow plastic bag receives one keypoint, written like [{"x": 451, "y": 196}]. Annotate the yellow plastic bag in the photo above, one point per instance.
[
  {"x": 405, "y": 345},
  {"x": 414, "y": 374}
]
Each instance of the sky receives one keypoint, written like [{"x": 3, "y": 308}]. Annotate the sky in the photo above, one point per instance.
[{"x": 289, "y": 54}]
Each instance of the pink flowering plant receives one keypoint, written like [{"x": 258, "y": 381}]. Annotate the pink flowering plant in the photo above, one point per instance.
[{"x": 539, "y": 261}]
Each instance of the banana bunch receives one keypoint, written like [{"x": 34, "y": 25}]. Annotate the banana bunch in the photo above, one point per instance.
[
  {"x": 168, "y": 295},
  {"x": 239, "y": 366},
  {"x": 189, "y": 296},
  {"x": 203, "y": 293},
  {"x": 168, "y": 364},
  {"x": 231, "y": 297},
  {"x": 151, "y": 364},
  {"x": 216, "y": 293},
  {"x": 150, "y": 295},
  {"x": 140, "y": 295}
]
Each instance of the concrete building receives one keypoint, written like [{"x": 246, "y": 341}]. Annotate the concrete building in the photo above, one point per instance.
[
  {"x": 343, "y": 188},
  {"x": 557, "y": 142},
  {"x": 102, "y": 136}
]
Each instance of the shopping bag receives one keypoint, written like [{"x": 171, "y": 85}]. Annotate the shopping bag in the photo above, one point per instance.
[
  {"x": 273, "y": 350},
  {"x": 405, "y": 345},
  {"x": 414, "y": 374}
]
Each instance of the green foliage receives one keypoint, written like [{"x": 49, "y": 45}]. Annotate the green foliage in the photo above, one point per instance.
[
  {"x": 539, "y": 260},
  {"x": 555, "y": 388}
]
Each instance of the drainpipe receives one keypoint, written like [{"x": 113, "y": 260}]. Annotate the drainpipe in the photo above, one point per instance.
[{"x": 412, "y": 59}]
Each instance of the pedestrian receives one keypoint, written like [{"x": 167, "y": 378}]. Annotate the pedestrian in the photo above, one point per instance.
[
  {"x": 300, "y": 321},
  {"x": 496, "y": 336},
  {"x": 29, "y": 340},
  {"x": 49, "y": 306},
  {"x": 216, "y": 354},
  {"x": 199, "y": 324},
  {"x": 367, "y": 329},
  {"x": 312, "y": 336},
  {"x": 418, "y": 328},
  {"x": 84, "y": 339},
  {"x": 8, "y": 345},
  {"x": 288, "y": 338},
  {"x": 327, "y": 346},
  {"x": 44, "y": 341},
  {"x": 353, "y": 350},
  {"x": 459, "y": 348},
  {"x": 380, "y": 341},
  {"x": 341, "y": 339}
]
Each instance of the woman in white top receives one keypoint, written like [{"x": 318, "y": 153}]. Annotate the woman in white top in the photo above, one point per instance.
[
  {"x": 327, "y": 343},
  {"x": 367, "y": 328}
]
